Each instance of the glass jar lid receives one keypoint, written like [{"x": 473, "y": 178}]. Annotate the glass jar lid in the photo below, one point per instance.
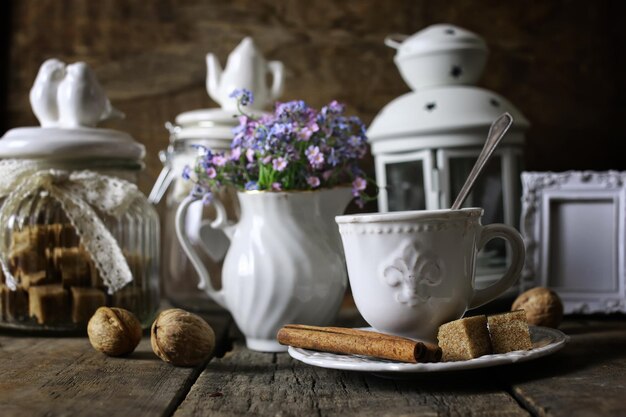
[
  {"x": 69, "y": 102},
  {"x": 52, "y": 143}
]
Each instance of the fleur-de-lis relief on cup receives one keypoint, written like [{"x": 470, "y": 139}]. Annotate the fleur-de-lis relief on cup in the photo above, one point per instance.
[{"x": 415, "y": 273}]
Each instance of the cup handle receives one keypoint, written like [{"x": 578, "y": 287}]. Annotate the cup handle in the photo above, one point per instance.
[
  {"x": 502, "y": 231},
  {"x": 220, "y": 222}
]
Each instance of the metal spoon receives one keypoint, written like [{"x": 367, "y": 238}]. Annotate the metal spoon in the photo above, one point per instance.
[{"x": 496, "y": 132}]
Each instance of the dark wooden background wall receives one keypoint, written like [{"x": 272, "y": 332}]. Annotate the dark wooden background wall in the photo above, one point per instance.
[{"x": 560, "y": 61}]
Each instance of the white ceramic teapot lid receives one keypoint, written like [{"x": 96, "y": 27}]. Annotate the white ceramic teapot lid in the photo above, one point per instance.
[
  {"x": 440, "y": 37},
  {"x": 208, "y": 117},
  {"x": 212, "y": 126},
  {"x": 69, "y": 102},
  {"x": 213, "y": 117}
]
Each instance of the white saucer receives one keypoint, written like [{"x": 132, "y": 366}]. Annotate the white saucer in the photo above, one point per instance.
[{"x": 545, "y": 341}]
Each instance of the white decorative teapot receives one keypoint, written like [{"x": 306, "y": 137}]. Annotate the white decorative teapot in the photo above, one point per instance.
[{"x": 245, "y": 68}]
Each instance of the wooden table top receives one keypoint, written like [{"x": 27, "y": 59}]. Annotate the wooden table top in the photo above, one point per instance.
[{"x": 62, "y": 376}]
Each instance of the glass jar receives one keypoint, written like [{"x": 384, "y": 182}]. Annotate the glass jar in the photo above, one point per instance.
[
  {"x": 211, "y": 129},
  {"x": 54, "y": 282}
]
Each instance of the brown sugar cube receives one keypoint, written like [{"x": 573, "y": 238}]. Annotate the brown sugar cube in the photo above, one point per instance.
[
  {"x": 85, "y": 302},
  {"x": 54, "y": 256},
  {"x": 68, "y": 236},
  {"x": 20, "y": 240},
  {"x": 54, "y": 275},
  {"x": 35, "y": 238},
  {"x": 27, "y": 239},
  {"x": 53, "y": 232},
  {"x": 73, "y": 266},
  {"x": 13, "y": 304},
  {"x": 28, "y": 260},
  {"x": 63, "y": 235},
  {"x": 509, "y": 332},
  {"x": 464, "y": 339},
  {"x": 48, "y": 303},
  {"x": 49, "y": 232},
  {"x": 33, "y": 278}
]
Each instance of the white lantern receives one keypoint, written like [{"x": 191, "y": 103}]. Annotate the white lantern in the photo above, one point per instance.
[{"x": 425, "y": 142}]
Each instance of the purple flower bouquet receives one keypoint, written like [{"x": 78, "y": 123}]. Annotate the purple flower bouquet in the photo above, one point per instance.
[{"x": 295, "y": 148}]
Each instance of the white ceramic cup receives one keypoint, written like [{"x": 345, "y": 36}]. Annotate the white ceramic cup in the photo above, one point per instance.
[{"x": 412, "y": 271}]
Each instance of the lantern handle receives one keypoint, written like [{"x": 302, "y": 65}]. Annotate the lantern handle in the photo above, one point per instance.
[
  {"x": 395, "y": 40},
  {"x": 496, "y": 132}
]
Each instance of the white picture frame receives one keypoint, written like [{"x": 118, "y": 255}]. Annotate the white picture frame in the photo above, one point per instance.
[{"x": 573, "y": 225}]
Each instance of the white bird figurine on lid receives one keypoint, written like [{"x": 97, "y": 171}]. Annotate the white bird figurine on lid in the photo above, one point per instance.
[
  {"x": 69, "y": 96},
  {"x": 81, "y": 99},
  {"x": 43, "y": 94}
]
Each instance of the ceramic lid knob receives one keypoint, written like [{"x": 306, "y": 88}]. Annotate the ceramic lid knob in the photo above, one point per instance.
[
  {"x": 81, "y": 99},
  {"x": 69, "y": 102},
  {"x": 69, "y": 96},
  {"x": 441, "y": 54},
  {"x": 43, "y": 94}
]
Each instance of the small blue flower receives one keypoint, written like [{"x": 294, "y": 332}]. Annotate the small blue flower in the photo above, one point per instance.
[
  {"x": 281, "y": 131},
  {"x": 243, "y": 96},
  {"x": 296, "y": 110},
  {"x": 198, "y": 190},
  {"x": 332, "y": 158},
  {"x": 186, "y": 172},
  {"x": 332, "y": 108},
  {"x": 252, "y": 186}
]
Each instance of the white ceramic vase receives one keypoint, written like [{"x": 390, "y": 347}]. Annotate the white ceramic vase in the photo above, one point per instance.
[{"x": 284, "y": 264}]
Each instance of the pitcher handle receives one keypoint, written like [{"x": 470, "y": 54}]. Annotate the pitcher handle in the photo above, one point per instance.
[
  {"x": 278, "y": 76},
  {"x": 518, "y": 252},
  {"x": 220, "y": 222}
]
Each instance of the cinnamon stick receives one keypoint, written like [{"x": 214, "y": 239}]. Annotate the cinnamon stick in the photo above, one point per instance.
[{"x": 358, "y": 342}]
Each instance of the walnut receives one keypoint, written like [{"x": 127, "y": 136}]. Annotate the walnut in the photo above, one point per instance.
[
  {"x": 114, "y": 331},
  {"x": 543, "y": 307},
  {"x": 182, "y": 338}
]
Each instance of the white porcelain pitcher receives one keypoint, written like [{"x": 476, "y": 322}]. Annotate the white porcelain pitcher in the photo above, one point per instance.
[
  {"x": 284, "y": 264},
  {"x": 245, "y": 68}
]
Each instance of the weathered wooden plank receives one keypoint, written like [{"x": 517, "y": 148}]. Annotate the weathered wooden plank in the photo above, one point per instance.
[
  {"x": 65, "y": 376},
  {"x": 252, "y": 383},
  {"x": 587, "y": 378}
]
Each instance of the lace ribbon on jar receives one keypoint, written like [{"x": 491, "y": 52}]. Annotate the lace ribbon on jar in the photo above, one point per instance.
[{"x": 78, "y": 192}]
